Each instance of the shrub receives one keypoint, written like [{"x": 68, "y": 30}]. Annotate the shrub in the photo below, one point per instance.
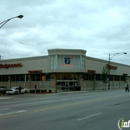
[
  {"x": 32, "y": 91},
  {"x": 50, "y": 91}
]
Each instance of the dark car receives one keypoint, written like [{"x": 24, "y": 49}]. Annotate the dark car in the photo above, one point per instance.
[{"x": 3, "y": 89}]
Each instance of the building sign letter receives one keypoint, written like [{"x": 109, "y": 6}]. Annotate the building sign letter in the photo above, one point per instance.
[{"x": 10, "y": 65}]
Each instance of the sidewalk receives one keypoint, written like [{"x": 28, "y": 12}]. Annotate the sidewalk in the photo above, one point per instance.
[{"x": 5, "y": 97}]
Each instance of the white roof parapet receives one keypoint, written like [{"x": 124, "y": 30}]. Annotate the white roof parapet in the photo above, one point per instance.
[{"x": 67, "y": 52}]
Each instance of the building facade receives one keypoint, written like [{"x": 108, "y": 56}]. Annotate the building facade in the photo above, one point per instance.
[{"x": 62, "y": 70}]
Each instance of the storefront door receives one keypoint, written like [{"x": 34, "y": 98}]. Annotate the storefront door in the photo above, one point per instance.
[
  {"x": 66, "y": 81},
  {"x": 66, "y": 85}
]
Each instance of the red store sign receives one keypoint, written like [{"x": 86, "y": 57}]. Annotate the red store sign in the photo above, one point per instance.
[
  {"x": 34, "y": 71},
  {"x": 111, "y": 66},
  {"x": 10, "y": 65}
]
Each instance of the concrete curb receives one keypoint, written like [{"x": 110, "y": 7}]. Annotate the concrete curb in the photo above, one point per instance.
[{"x": 75, "y": 92}]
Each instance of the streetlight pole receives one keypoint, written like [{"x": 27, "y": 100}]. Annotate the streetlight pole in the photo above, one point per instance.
[
  {"x": 109, "y": 65},
  {"x": 4, "y": 22},
  {"x": 1, "y": 25}
]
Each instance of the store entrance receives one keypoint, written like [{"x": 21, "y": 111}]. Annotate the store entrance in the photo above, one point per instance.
[
  {"x": 67, "y": 85},
  {"x": 66, "y": 81}
]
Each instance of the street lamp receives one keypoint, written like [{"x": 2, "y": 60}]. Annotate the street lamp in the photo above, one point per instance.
[
  {"x": 110, "y": 56},
  {"x": 4, "y": 22}
]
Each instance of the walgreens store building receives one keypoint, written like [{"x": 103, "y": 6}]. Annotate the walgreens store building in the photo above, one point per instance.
[{"x": 61, "y": 70}]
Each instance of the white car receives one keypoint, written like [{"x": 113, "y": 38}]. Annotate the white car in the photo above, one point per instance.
[
  {"x": 24, "y": 90},
  {"x": 15, "y": 90}
]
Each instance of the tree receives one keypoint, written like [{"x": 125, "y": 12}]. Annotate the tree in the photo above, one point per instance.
[{"x": 104, "y": 76}]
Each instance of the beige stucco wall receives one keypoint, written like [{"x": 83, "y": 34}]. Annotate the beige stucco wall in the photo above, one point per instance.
[
  {"x": 33, "y": 63},
  {"x": 97, "y": 65}
]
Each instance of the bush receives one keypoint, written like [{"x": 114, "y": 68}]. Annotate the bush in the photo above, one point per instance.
[
  {"x": 32, "y": 91},
  {"x": 50, "y": 91},
  {"x": 37, "y": 91},
  {"x": 42, "y": 91}
]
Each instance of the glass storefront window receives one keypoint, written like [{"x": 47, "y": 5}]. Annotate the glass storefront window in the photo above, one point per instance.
[
  {"x": 67, "y": 62},
  {"x": 98, "y": 77},
  {"x": 53, "y": 61},
  {"x": 17, "y": 77},
  {"x": 32, "y": 77},
  {"x": 12, "y": 77},
  {"x": 3, "y": 78},
  {"x": 27, "y": 77},
  {"x": 88, "y": 76},
  {"x": 22, "y": 77},
  {"x": 38, "y": 77},
  {"x": 48, "y": 77}
]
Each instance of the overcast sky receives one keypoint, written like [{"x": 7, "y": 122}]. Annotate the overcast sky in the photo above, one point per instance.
[{"x": 98, "y": 26}]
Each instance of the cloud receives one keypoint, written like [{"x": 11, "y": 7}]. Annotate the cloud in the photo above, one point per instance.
[{"x": 98, "y": 26}]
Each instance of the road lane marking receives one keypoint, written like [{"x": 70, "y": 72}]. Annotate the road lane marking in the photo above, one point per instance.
[
  {"x": 89, "y": 116},
  {"x": 4, "y": 109},
  {"x": 14, "y": 112},
  {"x": 61, "y": 106}
]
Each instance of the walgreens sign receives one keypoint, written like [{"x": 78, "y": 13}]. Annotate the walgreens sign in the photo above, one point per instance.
[{"x": 10, "y": 65}]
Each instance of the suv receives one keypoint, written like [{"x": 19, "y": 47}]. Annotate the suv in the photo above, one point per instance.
[{"x": 3, "y": 89}]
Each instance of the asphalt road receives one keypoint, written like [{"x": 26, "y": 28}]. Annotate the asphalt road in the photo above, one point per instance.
[{"x": 65, "y": 111}]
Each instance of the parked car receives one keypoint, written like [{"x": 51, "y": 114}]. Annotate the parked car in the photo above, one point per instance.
[
  {"x": 3, "y": 89},
  {"x": 15, "y": 90},
  {"x": 25, "y": 90}
]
